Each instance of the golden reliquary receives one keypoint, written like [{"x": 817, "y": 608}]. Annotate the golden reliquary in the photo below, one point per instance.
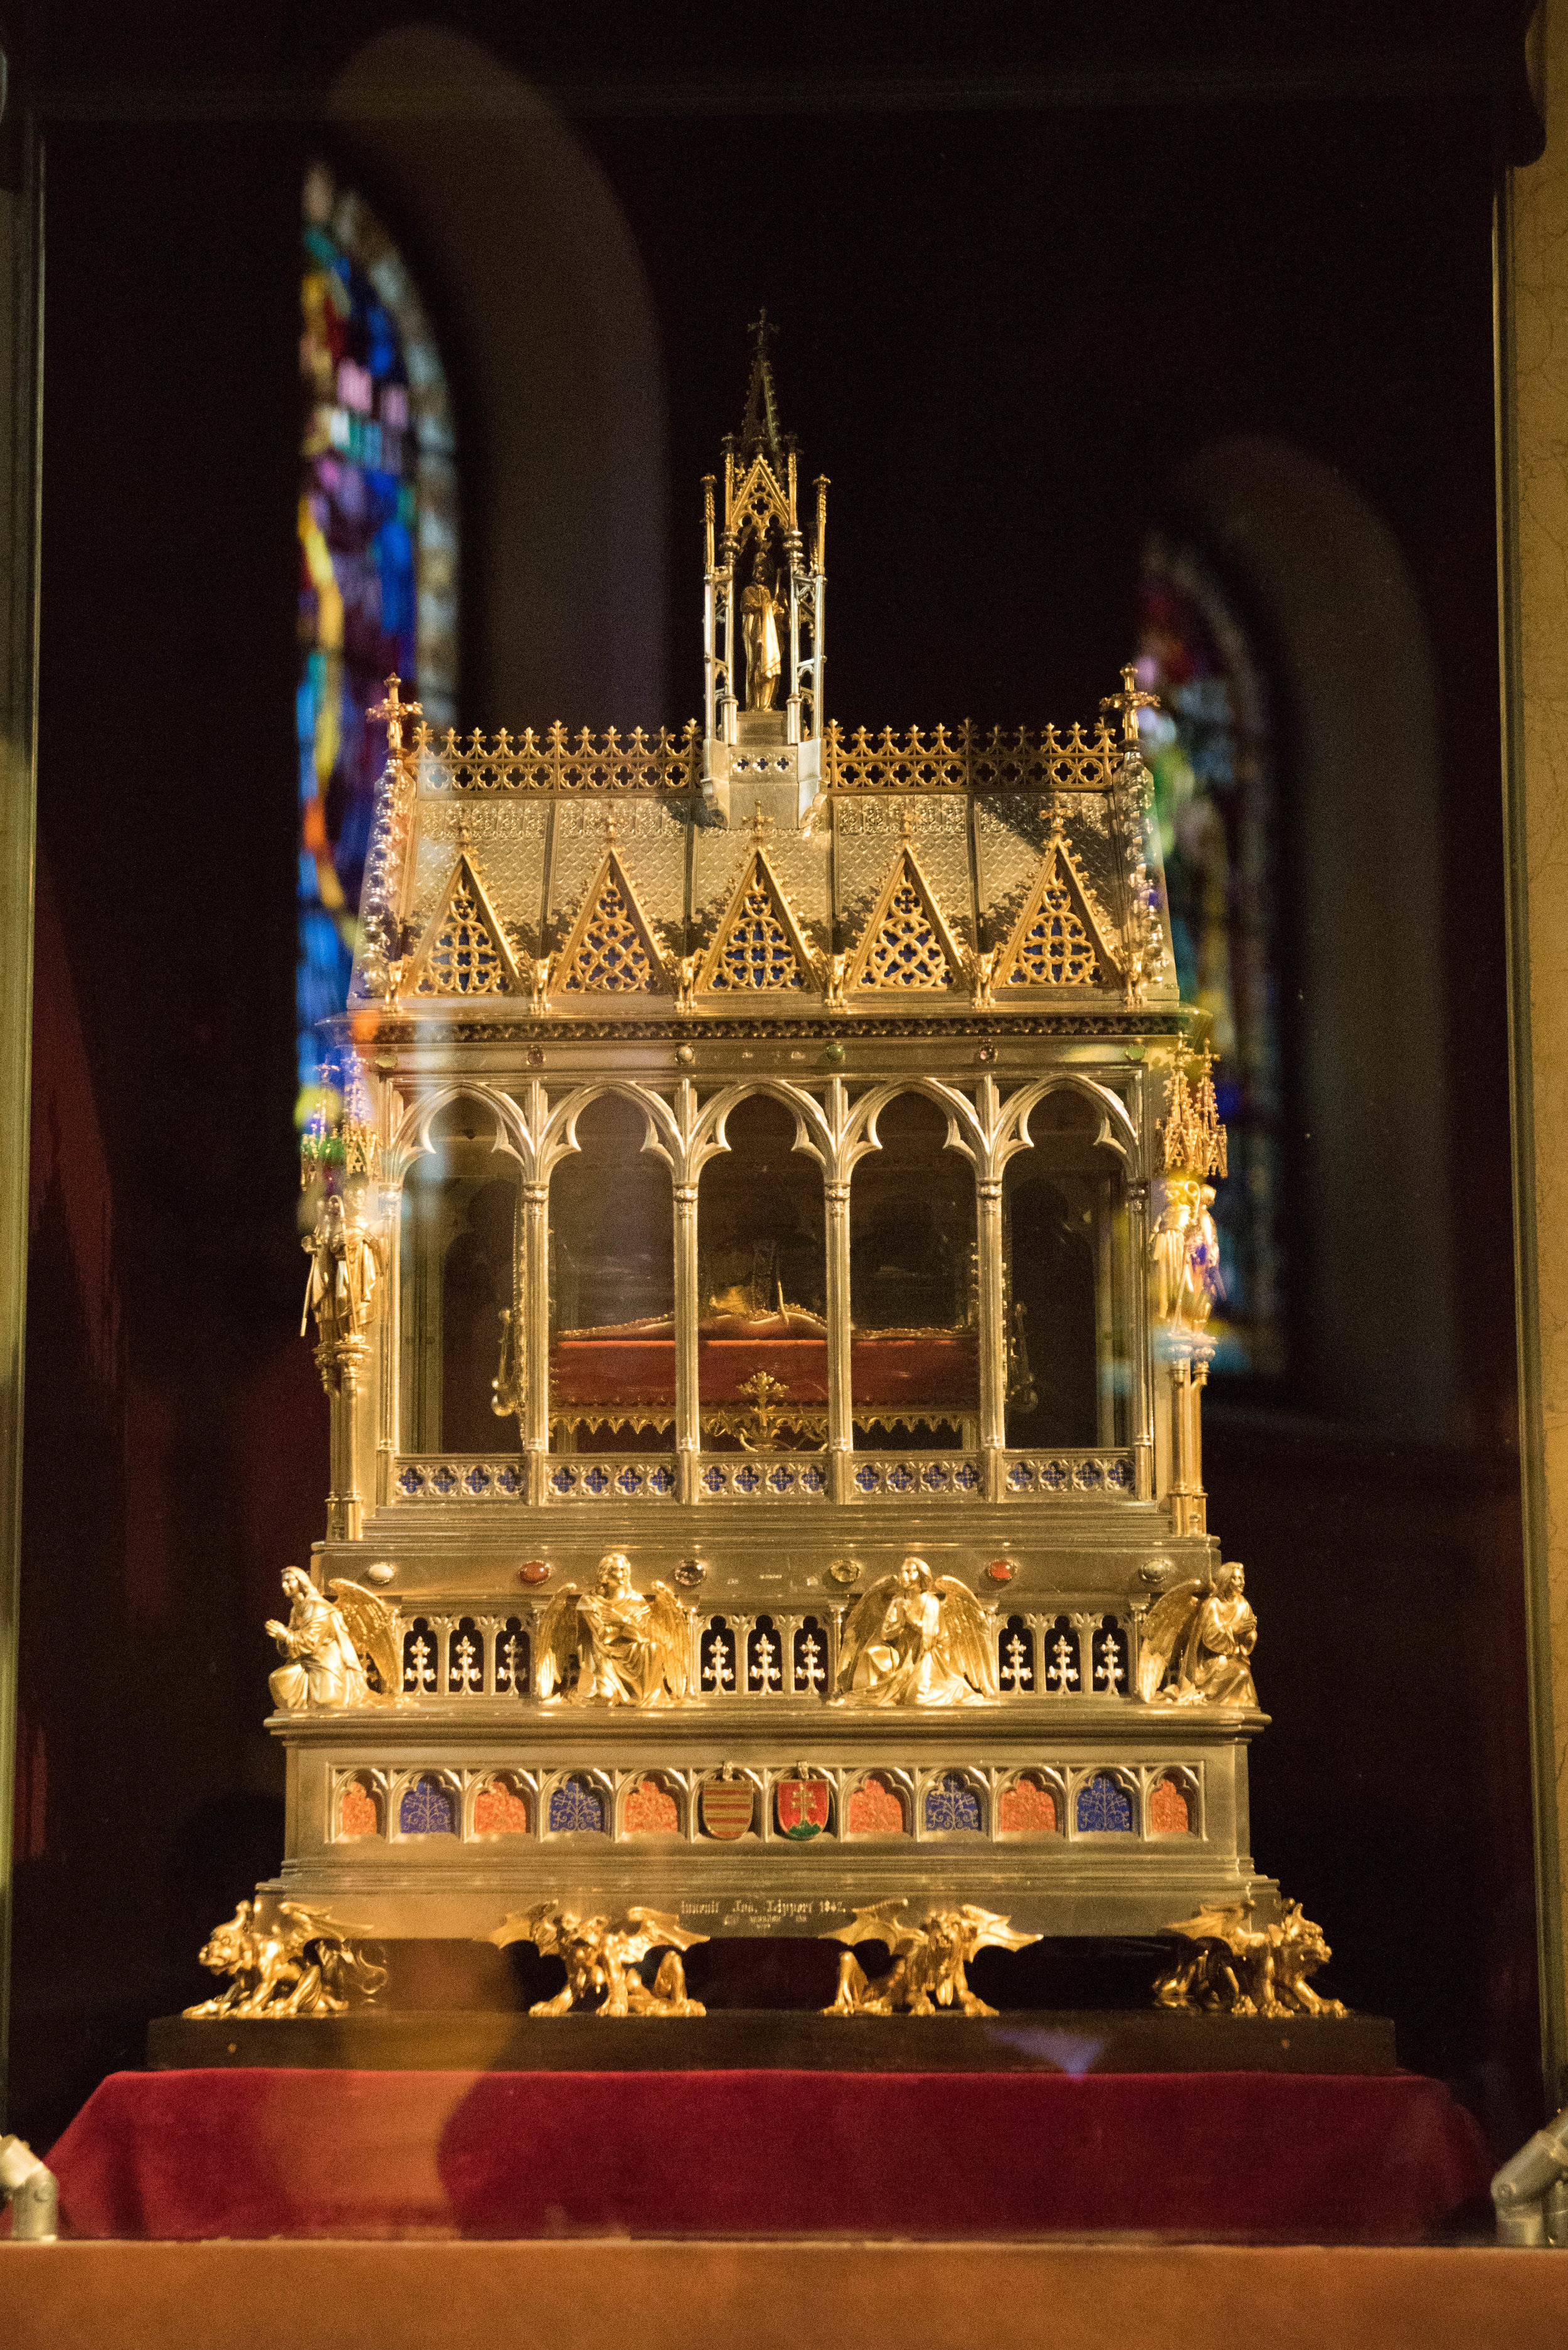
[{"x": 761, "y": 1274}]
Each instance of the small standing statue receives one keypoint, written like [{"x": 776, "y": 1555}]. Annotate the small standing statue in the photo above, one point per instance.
[
  {"x": 1198, "y": 1644},
  {"x": 916, "y": 1638},
  {"x": 604, "y": 1959},
  {"x": 760, "y": 634},
  {"x": 344, "y": 1272},
  {"x": 614, "y": 1645},
  {"x": 1185, "y": 1246},
  {"x": 928, "y": 1960},
  {"x": 326, "y": 1646}
]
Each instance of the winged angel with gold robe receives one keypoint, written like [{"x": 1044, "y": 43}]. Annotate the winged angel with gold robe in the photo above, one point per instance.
[
  {"x": 1198, "y": 1644},
  {"x": 614, "y": 1645},
  {"x": 340, "y": 1651},
  {"x": 918, "y": 1638}
]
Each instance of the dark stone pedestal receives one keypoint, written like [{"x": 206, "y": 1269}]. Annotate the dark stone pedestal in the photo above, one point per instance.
[{"x": 1079, "y": 2041}]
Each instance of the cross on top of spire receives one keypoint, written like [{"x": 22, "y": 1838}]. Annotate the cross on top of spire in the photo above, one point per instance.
[{"x": 761, "y": 433}]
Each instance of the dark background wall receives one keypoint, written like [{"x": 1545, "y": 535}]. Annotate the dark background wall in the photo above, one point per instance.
[{"x": 1008, "y": 328}]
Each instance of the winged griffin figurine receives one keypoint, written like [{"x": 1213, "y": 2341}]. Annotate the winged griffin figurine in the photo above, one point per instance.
[
  {"x": 285, "y": 1960},
  {"x": 1198, "y": 1642},
  {"x": 1234, "y": 1968},
  {"x": 918, "y": 1638},
  {"x": 600, "y": 1958},
  {"x": 927, "y": 1960},
  {"x": 332, "y": 1651},
  {"x": 613, "y": 1645}
]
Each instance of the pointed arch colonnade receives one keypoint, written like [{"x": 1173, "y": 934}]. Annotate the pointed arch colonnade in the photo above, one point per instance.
[{"x": 537, "y": 1129}]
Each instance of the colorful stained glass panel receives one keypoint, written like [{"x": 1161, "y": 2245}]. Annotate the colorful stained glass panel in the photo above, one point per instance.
[{"x": 378, "y": 551}]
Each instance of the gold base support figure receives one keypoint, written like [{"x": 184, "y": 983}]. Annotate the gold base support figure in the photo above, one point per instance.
[
  {"x": 928, "y": 1960},
  {"x": 602, "y": 1960},
  {"x": 1234, "y": 1968},
  {"x": 286, "y": 1961}
]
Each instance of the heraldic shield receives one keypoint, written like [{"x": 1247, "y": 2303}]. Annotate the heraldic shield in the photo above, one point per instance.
[
  {"x": 727, "y": 1808},
  {"x": 801, "y": 1808}
]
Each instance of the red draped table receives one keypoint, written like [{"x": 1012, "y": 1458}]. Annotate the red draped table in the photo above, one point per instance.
[{"x": 280, "y": 2152}]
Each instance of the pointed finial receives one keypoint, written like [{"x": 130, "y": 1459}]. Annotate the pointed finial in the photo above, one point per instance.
[
  {"x": 760, "y": 428},
  {"x": 761, "y": 824}
]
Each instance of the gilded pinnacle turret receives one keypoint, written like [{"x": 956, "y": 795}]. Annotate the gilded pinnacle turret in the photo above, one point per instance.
[{"x": 1192, "y": 1135}]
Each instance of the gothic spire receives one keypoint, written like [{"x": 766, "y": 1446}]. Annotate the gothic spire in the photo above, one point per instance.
[{"x": 760, "y": 433}]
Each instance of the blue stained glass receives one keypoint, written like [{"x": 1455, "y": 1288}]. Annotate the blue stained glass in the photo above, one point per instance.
[
  {"x": 951, "y": 1804},
  {"x": 576, "y": 1807},
  {"x": 377, "y": 496},
  {"x": 1104, "y": 1806},
  {"x": 1211, "y": 749},
  {"x": 427, "y": 1809}
]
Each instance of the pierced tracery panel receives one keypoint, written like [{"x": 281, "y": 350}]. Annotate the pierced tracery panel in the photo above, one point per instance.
[{"x": 463, "y": 957}]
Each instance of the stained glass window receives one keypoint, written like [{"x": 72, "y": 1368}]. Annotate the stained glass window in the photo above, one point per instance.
[
  {"x": 1211, "y": 749},
  {"x": 377, "y": 584}
]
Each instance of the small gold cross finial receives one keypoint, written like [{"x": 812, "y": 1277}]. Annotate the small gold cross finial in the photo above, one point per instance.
[
  {"x": 761, "y": 822},
  {"x": 1129, "y": 701},
  {"x": 394, "y": 712},
  {"x": 612, "y": 836},
  {"x": 906, "y": 819}
]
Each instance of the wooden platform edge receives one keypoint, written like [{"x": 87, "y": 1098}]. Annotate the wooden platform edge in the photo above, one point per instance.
[{"x": 773, "y": 2296}]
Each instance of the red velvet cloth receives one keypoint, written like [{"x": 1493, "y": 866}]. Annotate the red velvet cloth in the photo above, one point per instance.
[{"x": 297, "y": 2153}]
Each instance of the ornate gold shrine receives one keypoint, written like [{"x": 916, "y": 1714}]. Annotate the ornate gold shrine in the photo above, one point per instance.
[{"x": 761, "y": 1278}]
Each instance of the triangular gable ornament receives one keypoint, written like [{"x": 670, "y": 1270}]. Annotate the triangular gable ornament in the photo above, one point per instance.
[
  {"x": 611, "y": 950},
  {"x": 758, "y": 947},
  {"x": 1061, "y": 939},
  {"x": 906, "y": 943},
  {"x": 465, "y": 950}
]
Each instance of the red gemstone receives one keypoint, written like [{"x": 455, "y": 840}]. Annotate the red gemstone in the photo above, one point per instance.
[
  {"x": 1002, "y": 1570},
  {"x": 536, "y": 1571}
]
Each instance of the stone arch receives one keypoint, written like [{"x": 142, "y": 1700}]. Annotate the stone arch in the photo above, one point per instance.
[
  {"x": 1352, "y": 654},
  {"x": 550, "y": 333}
]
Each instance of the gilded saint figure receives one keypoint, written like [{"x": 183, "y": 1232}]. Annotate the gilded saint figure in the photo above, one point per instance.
[
  {"x": 760, "y": 616},
  {"x": 612, "y": 1645},
  {"x": 916, "y": 1638},
  {"x": 344, "y": 1270}
]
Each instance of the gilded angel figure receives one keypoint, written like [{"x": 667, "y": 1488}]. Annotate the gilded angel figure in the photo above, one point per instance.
[
  {"x": 331, "y": 1644},
  {"x": 613, "y": 1644},
  {"x": 916, "y": 1638},
  {"x": 1197, "y": 1643}
]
